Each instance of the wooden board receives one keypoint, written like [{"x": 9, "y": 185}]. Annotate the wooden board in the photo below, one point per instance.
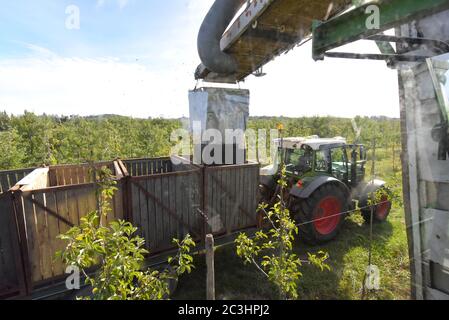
[
  {"x": 70, "y": 203},
  {"x": 11, "y": 273},
  {"x": 65, "y": 175},
  {"x": 231, "y": 197},
  {"x": 145, "y": 167}
]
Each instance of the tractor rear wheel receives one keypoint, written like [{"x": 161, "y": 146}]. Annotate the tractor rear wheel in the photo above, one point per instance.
[
  {"x": 381, "y": 210},
  {"x": 320, "y": 216}
]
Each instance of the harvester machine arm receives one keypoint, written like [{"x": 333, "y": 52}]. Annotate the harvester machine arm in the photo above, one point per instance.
[{"x": 263, "y": 30}]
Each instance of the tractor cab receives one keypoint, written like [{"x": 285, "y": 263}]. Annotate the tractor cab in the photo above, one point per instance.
[{"x": 316, "y": 156}]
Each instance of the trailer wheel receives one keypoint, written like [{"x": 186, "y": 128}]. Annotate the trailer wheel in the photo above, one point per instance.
[
  {"x": 381, "y": 211},
  {"x": 320, "y": 216}
]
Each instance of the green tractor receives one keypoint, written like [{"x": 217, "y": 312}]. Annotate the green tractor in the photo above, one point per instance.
[{"x": 324, "y": 185}]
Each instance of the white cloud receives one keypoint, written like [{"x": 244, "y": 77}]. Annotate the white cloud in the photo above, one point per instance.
[
  {"x": 295, "y": 85},
  {"x": 120, "y": 3},
  {"x": 86, "y": 86},
  {"x": 38, "y": 50}
]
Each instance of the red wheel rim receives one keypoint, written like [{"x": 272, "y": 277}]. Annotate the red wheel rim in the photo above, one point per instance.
[
  {"x": 383, "y": 208},
  {"x": 327, "y": 215}
]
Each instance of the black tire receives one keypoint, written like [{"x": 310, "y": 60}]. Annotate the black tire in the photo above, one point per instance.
[
  {"x": 381, "y": 211},
  {"x": 307, "y": 214}
]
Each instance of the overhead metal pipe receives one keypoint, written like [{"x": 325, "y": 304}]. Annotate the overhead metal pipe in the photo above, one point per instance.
[{"x": 214, "y": 25}]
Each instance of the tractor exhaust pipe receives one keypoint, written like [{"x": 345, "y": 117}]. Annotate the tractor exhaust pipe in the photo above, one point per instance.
[{"x": 214, "y": 25}]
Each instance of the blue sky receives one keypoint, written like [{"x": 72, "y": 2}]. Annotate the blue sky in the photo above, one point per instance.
[
  {"x": 109, "y": 27},
  {"x": 137, "y": 58}
]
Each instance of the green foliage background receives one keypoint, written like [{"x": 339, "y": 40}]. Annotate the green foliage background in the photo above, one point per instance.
[{"x": 29, "y": 140}]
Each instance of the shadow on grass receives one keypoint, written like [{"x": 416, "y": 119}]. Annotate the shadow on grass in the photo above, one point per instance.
[
  {"x": 236, "y": 281},
  {"x": 348, "y": 258}
]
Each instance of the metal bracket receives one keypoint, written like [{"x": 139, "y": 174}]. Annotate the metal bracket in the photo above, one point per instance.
[
  {"x": 352, "y": 26},
  {"x": 392, "y": 57}
]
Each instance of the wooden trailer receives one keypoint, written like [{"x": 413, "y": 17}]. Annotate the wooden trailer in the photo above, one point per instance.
[{"x": 165, "y": 198}]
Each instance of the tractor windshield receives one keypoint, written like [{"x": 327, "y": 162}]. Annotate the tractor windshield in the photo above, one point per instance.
[{"x": 299, "y": 161}]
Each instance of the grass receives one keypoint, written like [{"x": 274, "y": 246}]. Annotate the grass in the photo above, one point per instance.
[{"x": 348, "y": 261}]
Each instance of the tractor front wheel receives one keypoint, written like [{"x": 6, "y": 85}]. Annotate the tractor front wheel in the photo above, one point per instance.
[
  {"x": 381, "y": 210},
  {"x": 321, "y": 216}
]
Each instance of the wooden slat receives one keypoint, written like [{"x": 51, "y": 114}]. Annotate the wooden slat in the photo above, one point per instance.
[
  {"x": 118, "y": 203},
  {"x": 82, "y": 204},
  {"x": 137, "y": 214},
  {"x": 139, "y": 168},
  {"x": 220, "y": 209},
  {"x": 34, "y": 250},
  {"x": 145, "y": 168},
  {"x": 251, "y": 200},
  {"x": 52, "y": 231},
  {"x": 246, "y": 203},
  {"x": 223, "y": 207},
  {"x": 4, "y": 183},
  {"x": 160, "y": 164},
  {"x": 57, "y": 227},
  {"x": 209, "y": 206},
  {"x": 72, "y": 206},
  {"x": 10, "y": 263},
  {"x": 76, "y": 171},
  {"x": 255, "y": 193},
  {"x": 83, "y": 175},
  {"x": 232, "y": 187},
  {"x": 197, "y": 200},
  {"x": 174, "y": 221},
  {"x": 52, "y": 178},
  {"x": 68, "y": 176},
  {"x": 167, "y": 218},
  {"x": 179, "y": 209},
  {"x": 59, "y": 178},
  {"x": 152, "y": 215},
  {"x": 186, "y": 201},
  {"x": 237, "y": 193},
  {"x": 134, "y": 169},
  {"x": 228, "y": 189},
  {"x": 43, "y": 238},
  {"x": 215, "y": 209},
  {"x": 144, "y": 215},
  {"x": 92, "y": 204},
  {"x": 150, "y": 167},
  {"x": 15, "y": 177},
  {"x": 159, "y": 215}
]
